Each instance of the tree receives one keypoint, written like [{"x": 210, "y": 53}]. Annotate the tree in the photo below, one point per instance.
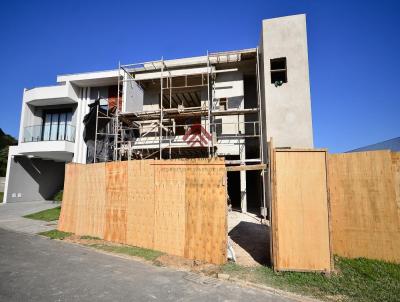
[{"x": 5, "y": 141}]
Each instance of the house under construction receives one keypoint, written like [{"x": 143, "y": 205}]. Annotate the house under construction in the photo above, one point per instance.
[{"x": 223, "y": 104}]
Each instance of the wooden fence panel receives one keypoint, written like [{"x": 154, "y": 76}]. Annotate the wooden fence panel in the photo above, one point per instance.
[
  {"x": 193, "y": 221},
  {"x": 68, "y": 215},
  {"x": 82, "y": 224},
  {"x": 206, "y": 223},
  {"x": 170, "y": 207},
  {"x": 140, "y": 211},
  {"x": 175, "y": 206},
  {"x": 396, "y": 171},
  {"x": 365, "y": 214},
  {"x": 95, "y": 180},
  {"x": 116, "y": 201},
  {"x": 300, "y": 211},
  {"x": 90, "y": 214}
]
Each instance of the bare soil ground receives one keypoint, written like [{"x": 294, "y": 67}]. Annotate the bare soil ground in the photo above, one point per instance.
[
  {"x": 176, "y": 262},
  {"x": 248, "y": 236}
]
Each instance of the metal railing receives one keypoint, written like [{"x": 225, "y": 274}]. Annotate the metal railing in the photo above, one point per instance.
[{"x": 39, "y": 133}]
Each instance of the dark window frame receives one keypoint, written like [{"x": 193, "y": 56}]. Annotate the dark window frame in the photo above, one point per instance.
[
  {"x": 278, "y": 67},
  {"x": 223, "y": 102},
  {"x": 51, "y": 112}
]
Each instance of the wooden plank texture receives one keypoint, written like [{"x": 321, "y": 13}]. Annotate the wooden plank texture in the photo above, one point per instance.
[
  {"x": 83, "y": 223},
  {"x": 300, "y": 213},
  {"x": 140, "y": 210},
  {"x": 365, "y": 213},
  {"x": 246, "y": 168},
  {"x": 206, "y": 224},
  {"x": 67, "y": 221},
  {"x": 396, "y": 171},
  {"x": 215, "y": 205},
  {"x": 170, "y": 208},
  {"x": 95, "y": 180},
  {"x": 116, "y": 201},
  {"x": 175, "y": 206}
]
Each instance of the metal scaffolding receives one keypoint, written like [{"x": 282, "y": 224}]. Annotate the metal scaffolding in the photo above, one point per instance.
[
  {"x": 156, "y": 131},
  {"x": 187, "y": 92}
]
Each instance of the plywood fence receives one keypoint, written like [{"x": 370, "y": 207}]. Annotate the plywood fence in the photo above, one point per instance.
[
  {"x": 174, "y": 206},
  {"x": 300, "y": 211},
  {"x": 365, "y": 201}
]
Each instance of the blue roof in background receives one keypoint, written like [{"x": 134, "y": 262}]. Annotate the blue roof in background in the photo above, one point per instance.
[{"x": 391, "y": 144}]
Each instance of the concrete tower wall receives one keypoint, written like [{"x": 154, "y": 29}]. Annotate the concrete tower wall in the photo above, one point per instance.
[{"x": 286, "y": 108}]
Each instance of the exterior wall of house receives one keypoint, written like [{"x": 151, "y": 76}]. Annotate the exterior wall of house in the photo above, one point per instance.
[
  {"x": 33, "y": 179},
  {"x": 80, "y": 150},
  {"x": 287, "y": 108},
  {"x": 41, "y": 177}
]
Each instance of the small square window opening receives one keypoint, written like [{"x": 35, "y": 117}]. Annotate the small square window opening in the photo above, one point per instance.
[{"x": 278, "y": 71}]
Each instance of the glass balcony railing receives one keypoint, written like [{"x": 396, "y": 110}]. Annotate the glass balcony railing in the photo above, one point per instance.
[{"x": 39, "y": 133}]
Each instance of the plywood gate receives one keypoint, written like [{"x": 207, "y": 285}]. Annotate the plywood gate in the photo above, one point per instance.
[
  {"x": 300, "y": 211},
  {"x": 396, "y": 171},
  {"x": 175, "y": 206},
  {"x": 365, "y": 201}
]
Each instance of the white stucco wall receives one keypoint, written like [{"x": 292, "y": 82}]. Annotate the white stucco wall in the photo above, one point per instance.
[
  {"x": 230, "y": 86},
  {"x": 36, "y": 98},
  {"x": 287, "y": 108},
  {"x": 82, "y": 109}
]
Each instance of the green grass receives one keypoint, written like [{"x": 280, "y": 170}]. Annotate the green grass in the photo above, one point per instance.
[
  {"x": 147, "y": 254},
  {"x": 46, "y": 215},
  {"x": 357, "y": 280},
  {"x": 90, "y": 237},
  {"x": 1, "y": 196},
  {"x": 58, "y": 197},
  {"x": 55, "y": 234}
]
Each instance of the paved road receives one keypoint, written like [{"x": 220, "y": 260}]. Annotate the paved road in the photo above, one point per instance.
[
  {"x": 11, "y": 216},
  {"x": 34, "y": 268}
]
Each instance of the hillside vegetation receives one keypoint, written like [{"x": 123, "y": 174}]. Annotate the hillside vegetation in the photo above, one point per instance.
[{"x": 5, "y": 141}]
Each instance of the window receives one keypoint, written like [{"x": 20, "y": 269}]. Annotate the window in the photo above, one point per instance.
[
  {"x": 56, "y": 125},
  {"x": 278, "y": 71},
  {"x": 223, "y": 104}
]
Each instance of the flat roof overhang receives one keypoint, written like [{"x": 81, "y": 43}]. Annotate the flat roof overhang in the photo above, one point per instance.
[{"x": 110, "y": 77}]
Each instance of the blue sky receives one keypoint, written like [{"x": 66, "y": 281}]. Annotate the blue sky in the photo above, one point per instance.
[{"x": 354, "y": 51}]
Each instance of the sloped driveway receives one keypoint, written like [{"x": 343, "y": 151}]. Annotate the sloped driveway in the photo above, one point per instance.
[{"x": 11, "y": 216}]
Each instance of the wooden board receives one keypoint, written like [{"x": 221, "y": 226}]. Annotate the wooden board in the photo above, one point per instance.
[
  {"x": 116, "y": 201},
  {"x": 365, "y": 213},
  {"x": 396, "y": 171},
  {"x": 206, "y": 224},
  {"x": 170, "y": 209},
  {"x": 67, "y": 221},
  {"x": 149, "y": 203},
  {"x": 246, "y": 168},
  {"x": 300, "y": 211},
  {"x": 95, "y": 179},
  {"x": 140, "y": 210},
  {"x": 193, "y": 222},
  {"x": 83, "y": 221}
]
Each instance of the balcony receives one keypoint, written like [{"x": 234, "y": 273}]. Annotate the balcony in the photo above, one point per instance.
[
  {"x": 51, "y": 95},
  {"x": 40, "y": 133},
  {"x": 47, "y": 142}
]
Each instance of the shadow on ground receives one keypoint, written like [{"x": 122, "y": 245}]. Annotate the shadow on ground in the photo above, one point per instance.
[{"x": 254, "y": 239}]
